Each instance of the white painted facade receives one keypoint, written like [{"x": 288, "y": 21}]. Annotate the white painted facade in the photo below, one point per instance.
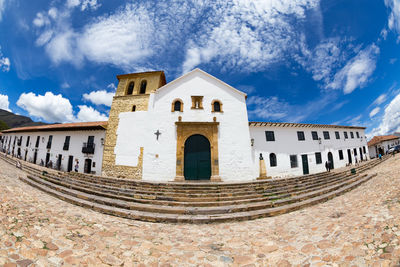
[
  {"x": 77, "y": 139},
  {"x": 286, "y": 143},
  {"x": 136, "y": 129},
  {"x": 238, "y": 158}
]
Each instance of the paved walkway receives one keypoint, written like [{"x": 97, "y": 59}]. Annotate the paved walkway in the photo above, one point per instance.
[{"x": 359, "y": 228}]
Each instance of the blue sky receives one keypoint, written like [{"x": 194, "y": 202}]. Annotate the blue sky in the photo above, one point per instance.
[{"x": 314, "y": 61}]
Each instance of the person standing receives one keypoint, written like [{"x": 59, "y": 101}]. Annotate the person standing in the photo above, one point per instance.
[
  {"x": 327, "y": 166},
  {"x": 77, "y": 166}
]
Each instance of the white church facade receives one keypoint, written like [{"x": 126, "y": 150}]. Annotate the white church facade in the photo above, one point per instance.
[{"x": 196, "y": 128}]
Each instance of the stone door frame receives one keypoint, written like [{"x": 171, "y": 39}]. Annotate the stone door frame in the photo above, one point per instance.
[{"x": 186, "y": 129}]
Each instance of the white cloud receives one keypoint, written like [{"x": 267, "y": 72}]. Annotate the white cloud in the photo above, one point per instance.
[
  {"x": 53, "y": 12},
  {"x": 394, "y": 17},
  {"x": 101, "y": 97},
  {"x": 65, "y": 85},
  {"x": 4, "y": 62},
  {"x": 123, "y": 39},
  {"x": 84, "y": 4},
  {"x": 249, "y": 35},
  {"x": 2, "y": 8},
  {"x": 56, "y": 108},
  {"x": 323, "y": 59},
  {"x": 380, "y": 99},
  {"x": 357, "y": 71},
  {"x": 390, "y": 119},
  {"x": 41, "y": 20},
  {"x": 112, "y": 86},
  {"x": 384, "y": 33},
  {"x": 50, "y": 107},
  {"x": 234, "y": 35},
  {"x": 4, "y": 103},
  {"x": 374, "y": 112},
  {"x": 271, "y": 108},
  {"x": 90, "y": 114}
]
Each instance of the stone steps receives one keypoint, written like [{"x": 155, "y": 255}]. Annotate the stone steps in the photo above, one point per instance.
[
  {"x": 205, "y": 197},
  {"x": 196, "y": 218},
  {"x": 189, "y": 201},
  {"x": 192, "y": 202}
]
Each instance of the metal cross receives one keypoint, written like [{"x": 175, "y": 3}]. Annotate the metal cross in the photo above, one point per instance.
[{"x": 157, "y": 133}]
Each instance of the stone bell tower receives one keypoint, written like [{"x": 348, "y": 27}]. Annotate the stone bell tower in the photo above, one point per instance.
[{"x": 132, "y": 95}]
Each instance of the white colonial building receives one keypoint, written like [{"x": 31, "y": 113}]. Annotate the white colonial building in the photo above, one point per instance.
[
  {"x": 193, "y": 128},
  {"x": 59, "y": 146},
  {"x": 381, "y": 144}
]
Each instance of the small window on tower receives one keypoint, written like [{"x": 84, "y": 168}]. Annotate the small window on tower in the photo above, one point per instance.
[
  {"x": 143, "y": 86},
  {"x": 130, "y": 88}
]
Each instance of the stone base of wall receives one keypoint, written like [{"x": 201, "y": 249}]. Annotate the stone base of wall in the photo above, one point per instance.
[{"x": 121, "y": 171}]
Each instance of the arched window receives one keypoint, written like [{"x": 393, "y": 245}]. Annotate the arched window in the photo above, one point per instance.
[
  {"x": 272, "y": 160},
  {"x": 130, "y": 88},
  {"x": 216, "y": 106},
  {"x": 134, "y": 108},
  {"x": 177, "y": 105},
  {"x": 143, "y": 86}
]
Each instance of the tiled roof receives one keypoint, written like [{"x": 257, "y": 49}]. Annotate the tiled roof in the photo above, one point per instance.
[
  {"x": 378, "y": 139},
  {"x": 96, "y": 125},
  {"x": 309, "y": 125}
]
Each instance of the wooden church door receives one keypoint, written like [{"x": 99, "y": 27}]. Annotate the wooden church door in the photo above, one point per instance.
[{"x": 197, "y": 161}]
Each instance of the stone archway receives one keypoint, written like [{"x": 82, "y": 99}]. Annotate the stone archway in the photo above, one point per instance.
[{"x": 187, "y": 129}]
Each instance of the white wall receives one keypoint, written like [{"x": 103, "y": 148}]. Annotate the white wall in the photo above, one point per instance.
[
  {"x": 136, "y": 129},
  {"x": 286, "y": 143},
  {"x": 75, "y": 147}
]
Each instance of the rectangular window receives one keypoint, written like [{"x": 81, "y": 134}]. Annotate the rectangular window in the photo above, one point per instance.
[
  {"x": 352, "y": 135},
  {"x": 300, "y": 136},
  {"x": 337, "y": 135},
  {"x": 66, "y": 143},
  {"x": 314, "y": 135},
  {"x": 37, "y": 141},
  {"x": 364, "y": 150},
  {"x": 318, "y": 158},
  {"x": 358, "y": 134},
  {"x": 270, "y": 135},
  {"x": 326, "y": 135},
  {"x": 340, "y": 154},
  {"x": 49, "y": 142},
  {"x": 20, "y": 141},
  {"x": 293, "y": 161},
  {"x": 345, "y": 135},
  {"x": 28, "y": 140}
]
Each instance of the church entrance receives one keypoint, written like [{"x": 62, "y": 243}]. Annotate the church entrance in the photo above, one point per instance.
[{"x": 197, "y": 158}]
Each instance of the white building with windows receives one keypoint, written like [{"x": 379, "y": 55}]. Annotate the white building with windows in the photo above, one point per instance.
[
  {"x": 193, "y": 128},
  {"x": 381, "y": 144},
  {"x": 59, "y": 146}
]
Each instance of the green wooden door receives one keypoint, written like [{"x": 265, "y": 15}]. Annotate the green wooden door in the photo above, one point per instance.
[
  {"x": 330, "y": 159},
  {"x": 197, "y": 165},
  {"x": 304, "y": 159}
]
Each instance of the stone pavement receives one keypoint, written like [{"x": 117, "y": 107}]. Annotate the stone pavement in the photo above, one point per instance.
[{"x": 359, "y": 228}]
